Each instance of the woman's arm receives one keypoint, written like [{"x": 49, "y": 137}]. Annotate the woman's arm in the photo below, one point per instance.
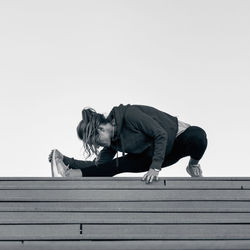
[{"x": 105, "y": 155}]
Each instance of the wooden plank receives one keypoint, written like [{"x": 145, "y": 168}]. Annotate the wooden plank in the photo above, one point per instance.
[
  {"x": 126, "y": 232},
  {"x": 132, "y": 206},
  {"x": 121, "y": 217},
  {"x": 126, "y": 184},
  {"x": 169, "y": 231},
  {"x": 13, "y": 245},
  {"x": 122, "y": 195},
  {"x": 128, "y": 244},
  {"x": 82, "y": 185},
  {"x": 39, "y": 232},
  {"x": 229, "y": 184}
]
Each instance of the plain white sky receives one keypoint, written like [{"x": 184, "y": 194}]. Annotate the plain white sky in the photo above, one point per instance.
[{"x": 190, "y": 59}]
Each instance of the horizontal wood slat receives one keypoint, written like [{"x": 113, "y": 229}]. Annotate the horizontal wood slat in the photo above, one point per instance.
[
  {"x": 135, "y": 245},
  {"x": 125, "y": 232},
  {"x": 121, "y": 218},
  {"x": 167, "y": 231},
  {"x": 132, "y": 206},
  {"x": 122, "y": 195},
  {"x": 82, "y": 185},
  {"x": 125, "y": 184},
  {"x": 38, "y": 232}
]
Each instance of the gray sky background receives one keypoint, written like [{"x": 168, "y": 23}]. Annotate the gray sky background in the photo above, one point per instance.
[{"x": 190, "y": 59}]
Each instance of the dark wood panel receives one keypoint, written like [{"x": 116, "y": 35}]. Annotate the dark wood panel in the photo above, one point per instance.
[
  {"x": 124, "y": 245},
  {"x": 120, "y": 217},
  {"x": 122, "y": 195},
  {"x": 137, "y": 206}
]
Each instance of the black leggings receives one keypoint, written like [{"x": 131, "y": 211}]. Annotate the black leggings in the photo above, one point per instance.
[{"x": 192, "y": 142}]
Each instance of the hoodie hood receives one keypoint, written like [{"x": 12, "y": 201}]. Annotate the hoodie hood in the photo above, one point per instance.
[{"x": 117, "y": 114}]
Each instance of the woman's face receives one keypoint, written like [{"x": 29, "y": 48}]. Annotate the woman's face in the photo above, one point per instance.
[{"x": 104, "y": 135}]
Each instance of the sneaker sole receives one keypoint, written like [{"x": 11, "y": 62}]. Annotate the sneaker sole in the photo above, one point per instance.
[{"x": 54, "y": 170}]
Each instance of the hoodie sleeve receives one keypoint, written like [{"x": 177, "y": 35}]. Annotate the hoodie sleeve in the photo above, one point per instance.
[
  {"x": 146, "y": 124},
  {"x": 105, "y": 155}
]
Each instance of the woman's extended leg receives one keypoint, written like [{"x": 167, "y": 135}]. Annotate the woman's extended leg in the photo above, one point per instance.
[
  {"x": 76, "y": 164},
  {"x": 129, "y": 163}
]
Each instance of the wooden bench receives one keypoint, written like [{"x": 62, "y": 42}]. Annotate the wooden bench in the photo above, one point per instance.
[{"x": 124, "y": 213}]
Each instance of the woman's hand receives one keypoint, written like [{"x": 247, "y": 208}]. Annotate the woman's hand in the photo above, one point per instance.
[
  {"x": 58, "y": 154},
  {"x": 151, "y": 175}
]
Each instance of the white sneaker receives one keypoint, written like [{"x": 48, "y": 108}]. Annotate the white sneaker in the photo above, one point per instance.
[
  {"x": 58, "y": 168},
  {"x": 194, "y": 170}
]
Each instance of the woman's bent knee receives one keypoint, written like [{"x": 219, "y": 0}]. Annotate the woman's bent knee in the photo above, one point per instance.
[{"x": 198, "y": 143}]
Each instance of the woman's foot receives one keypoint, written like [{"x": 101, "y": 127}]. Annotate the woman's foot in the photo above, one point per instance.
[
  {"x": 194, "y": 170},
  {"x": 58, "y": 168}
]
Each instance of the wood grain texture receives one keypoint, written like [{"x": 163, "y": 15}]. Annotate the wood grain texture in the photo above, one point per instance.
[
  {"x": 125, "y": 184},
  {"x": 39, "y": 232},
  {"x": 123, "y": 195},
  {"x": 124, "y": 213},
  {"x": 82, "y": 185},
  {"x": 126, "y": 232},
  {"x": 121, "y": 218},
  {"x": 175, "y": 232},
  {"x": 132, "y": 206}
]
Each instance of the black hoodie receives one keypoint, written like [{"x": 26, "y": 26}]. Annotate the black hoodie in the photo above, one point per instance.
[{"x": 140, "y": 128}]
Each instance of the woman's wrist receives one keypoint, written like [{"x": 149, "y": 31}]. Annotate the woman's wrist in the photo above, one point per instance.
[{"x": 156, "y": 169}]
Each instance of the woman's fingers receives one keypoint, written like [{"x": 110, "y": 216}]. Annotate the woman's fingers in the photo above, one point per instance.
[
  {"x": 58, "y": 154},
  {"x": 144, "y": 176},
  {"x": 50, "y": 156},
  {"x": 149, "y": 177}
]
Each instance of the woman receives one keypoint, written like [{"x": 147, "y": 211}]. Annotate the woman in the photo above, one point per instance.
[{"x": 152, "y": 139}]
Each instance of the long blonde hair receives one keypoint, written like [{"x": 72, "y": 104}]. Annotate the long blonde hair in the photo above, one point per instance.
[{"x": 87, "y": 130}]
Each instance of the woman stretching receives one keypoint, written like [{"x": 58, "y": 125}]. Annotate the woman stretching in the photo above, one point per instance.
[{"x": 152, "y": 139}]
